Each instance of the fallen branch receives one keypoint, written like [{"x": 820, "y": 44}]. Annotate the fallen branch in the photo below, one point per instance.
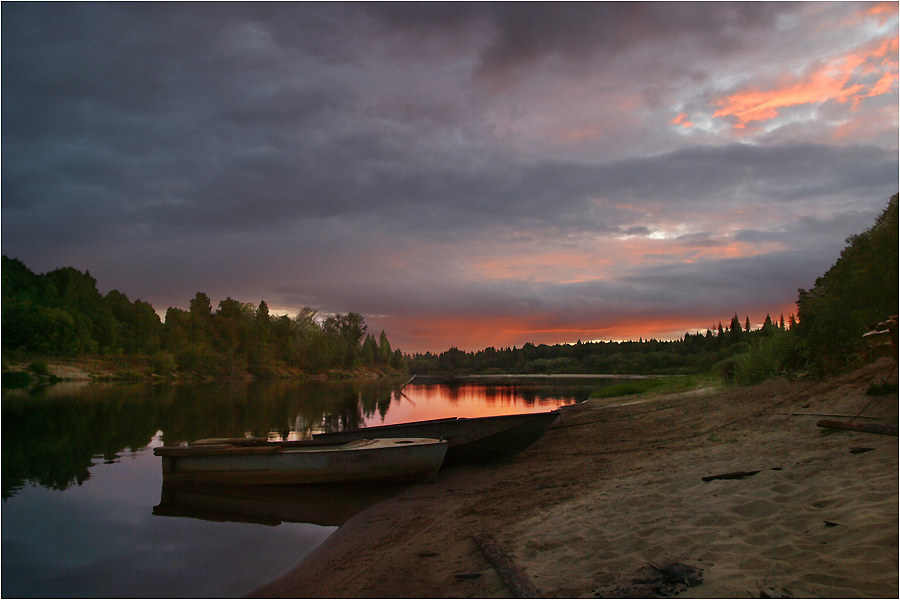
[
  {"x": 738, "y": 474},
  {"x": 826, "y": 415},
  {"x": 879, "y": 428},
  {"x": 511, "y": 574}
]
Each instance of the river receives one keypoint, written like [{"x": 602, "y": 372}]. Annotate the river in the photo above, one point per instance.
[{"x": 85, "y": 513}]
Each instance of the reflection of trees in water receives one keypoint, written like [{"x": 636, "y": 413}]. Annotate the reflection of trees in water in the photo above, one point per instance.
[
  {"x": 53, "y": 441},
  {"x": 52, "y": 437}
]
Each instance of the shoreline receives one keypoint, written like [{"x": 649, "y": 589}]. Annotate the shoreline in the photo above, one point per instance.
[
  {"x": 136, "y": 370},
  {"x": 614, "y": 492}
]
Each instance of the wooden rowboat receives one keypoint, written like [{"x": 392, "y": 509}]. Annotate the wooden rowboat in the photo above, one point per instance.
[
  {"x": 470, "y": 439},
  {"x": 253, "y": 462}
]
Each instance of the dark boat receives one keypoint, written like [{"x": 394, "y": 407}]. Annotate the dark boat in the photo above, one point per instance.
[{"x": 471, "y": 439}]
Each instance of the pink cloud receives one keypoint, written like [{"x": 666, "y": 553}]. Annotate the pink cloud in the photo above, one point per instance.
[
  {"x": 843, "y": 79},
  {"x": 682, "y": 119}
]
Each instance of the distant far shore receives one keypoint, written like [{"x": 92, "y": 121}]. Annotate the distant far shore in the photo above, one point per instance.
[{"x": 136, "y": 369}]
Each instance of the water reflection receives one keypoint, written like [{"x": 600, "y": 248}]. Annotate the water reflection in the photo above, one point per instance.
[
  {"x": 328, "y": 506},
  {"x": 83, "y": 495},
  {"x": 51, "y": 437}
]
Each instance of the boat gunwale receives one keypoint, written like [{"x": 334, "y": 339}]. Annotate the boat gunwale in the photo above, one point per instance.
[
  {"x": 294, "y": 447},
  {"x": 517, "y": 420}
]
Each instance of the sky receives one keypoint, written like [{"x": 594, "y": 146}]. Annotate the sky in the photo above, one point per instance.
[{"x": 462, "y": 175}]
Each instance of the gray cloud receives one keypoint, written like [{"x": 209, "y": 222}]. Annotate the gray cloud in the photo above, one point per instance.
[{"x": 351, "y": 156}]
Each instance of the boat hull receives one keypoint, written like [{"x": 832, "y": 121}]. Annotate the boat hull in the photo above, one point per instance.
[
  {"x": 396, "y": 459},
  {"x": 470, "y": 439}
]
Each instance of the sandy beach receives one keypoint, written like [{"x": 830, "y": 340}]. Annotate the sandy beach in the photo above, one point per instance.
[{"x": 611, "y": 502}]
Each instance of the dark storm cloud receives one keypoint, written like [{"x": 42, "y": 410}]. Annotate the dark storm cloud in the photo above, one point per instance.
[
  {"x": 198, "y": 117},
  {"x": 524, "y": 32}
]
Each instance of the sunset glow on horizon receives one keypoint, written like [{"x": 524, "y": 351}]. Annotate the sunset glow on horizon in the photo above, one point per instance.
[{"x": 462, "y": 175}]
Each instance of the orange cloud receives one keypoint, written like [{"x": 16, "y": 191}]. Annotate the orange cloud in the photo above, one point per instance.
[
  {"x": 838, "y": 80},
  {"x": 547, "y": 266},
  {"x": 681, "y": 119},
  {"x": 606, "y": 257},
  {"x": 882, "y": 10}
]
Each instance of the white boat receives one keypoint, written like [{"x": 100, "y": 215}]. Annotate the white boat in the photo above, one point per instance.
[{"x": 255, "y": 462}]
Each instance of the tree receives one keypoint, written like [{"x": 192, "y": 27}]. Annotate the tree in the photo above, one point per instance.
[
  {"x": 860, "y": 289},
  {"x": 369, "y": 350},
  {"x": 734, "y": 332},
  {"x": 384, "y": 349},
  {"x": 345, "y": 332}
]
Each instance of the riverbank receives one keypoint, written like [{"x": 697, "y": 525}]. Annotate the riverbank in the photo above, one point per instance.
[
  {"x": 614, "y": 494},
  {"x": 140, "y": 369}
]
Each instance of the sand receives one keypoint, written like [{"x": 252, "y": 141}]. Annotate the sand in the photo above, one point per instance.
[{"x": 611, "y": 503}]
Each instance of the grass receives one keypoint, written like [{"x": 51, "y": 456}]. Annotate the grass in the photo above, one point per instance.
[{"x": 662, "y": 385}]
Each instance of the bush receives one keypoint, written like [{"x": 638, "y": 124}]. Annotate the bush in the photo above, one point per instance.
[
  {"x": 40, "y": 368},
  {"x": 164, "y": 364},
  {"x": 766, "y": 358}
]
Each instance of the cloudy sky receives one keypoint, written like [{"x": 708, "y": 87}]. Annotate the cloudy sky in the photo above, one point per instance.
[{"x": 464, "y": 175}]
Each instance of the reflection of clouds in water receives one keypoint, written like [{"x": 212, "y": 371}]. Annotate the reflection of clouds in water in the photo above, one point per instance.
[
  {"x": 101, "y": 539},
  {"x": 438, "y": 401}
]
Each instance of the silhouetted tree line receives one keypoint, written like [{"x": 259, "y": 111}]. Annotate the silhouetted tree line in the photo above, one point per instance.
[
  {"x": 695, "y": 352},
  {"x": 62, "y": 314},
  {"x": 857, "y": 292}
]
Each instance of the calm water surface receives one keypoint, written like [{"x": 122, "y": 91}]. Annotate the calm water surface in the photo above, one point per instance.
[{"x": 85, "y": 513}]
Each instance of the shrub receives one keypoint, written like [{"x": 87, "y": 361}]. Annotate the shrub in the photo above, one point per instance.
[
  {"x": 164, "y": 364},
  {"x": 40, "y": 368},
  {"x": 767, "y": 357}
]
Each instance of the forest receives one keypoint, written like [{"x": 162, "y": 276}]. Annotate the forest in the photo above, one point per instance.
[{"x": 62, "y": 314}]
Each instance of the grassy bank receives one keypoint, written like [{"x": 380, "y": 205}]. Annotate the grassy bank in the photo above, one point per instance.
[{"x": 658, "y": 385}]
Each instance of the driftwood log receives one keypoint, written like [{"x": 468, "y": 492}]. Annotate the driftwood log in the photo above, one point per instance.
[
  {"x": 738, "y": 474},
  {"x": 511, "y": 574},
  {"x": 879, "y": 428}
]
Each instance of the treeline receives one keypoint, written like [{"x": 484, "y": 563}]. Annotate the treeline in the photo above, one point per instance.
[
  {"x": 62, "y": 314},
  {"x": 691, "y": 354},
  {"x": 860, "y": 290}
]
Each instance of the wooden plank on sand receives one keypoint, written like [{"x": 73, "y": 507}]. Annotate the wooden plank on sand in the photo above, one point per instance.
[
  {"x": 511, "y": 574},
  {"x": 879, "y": 428}
]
